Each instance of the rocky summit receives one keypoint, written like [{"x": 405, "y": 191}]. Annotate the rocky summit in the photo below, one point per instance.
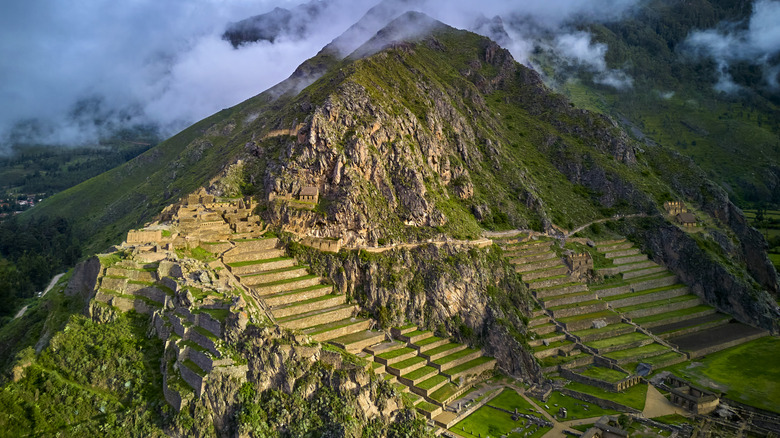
[{"x": 415, "y": 238}]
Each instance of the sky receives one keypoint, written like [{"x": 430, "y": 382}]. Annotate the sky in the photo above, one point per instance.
[{"x": 163, "y": 62}]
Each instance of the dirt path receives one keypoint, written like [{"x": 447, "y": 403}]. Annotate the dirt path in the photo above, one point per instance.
[
  {"x": 53, "y": 281},
  {"x": 656, "y": 405}
]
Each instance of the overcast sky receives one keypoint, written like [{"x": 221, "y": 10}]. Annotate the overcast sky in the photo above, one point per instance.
[{"x": 164, "y": 62}]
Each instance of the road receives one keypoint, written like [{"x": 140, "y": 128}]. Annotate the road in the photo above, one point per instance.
[{"x": 53, "y": 281}]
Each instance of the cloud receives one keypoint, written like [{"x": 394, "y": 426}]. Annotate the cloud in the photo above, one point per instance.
[
  {"x": 69, "y": 74},
  {"x": 756, "y": 44}
]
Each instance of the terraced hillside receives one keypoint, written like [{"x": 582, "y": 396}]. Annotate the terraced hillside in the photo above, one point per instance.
[{"x": 597, "y": 334}]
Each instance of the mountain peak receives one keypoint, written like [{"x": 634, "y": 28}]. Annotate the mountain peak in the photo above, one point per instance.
[{"x": 408, "y": 27}]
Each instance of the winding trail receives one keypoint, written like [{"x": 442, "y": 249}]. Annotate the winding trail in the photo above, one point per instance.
[{"x": 53, "y": 281}]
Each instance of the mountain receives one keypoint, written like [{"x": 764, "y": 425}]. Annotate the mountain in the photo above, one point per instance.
[{"x": 404, "y": 153}]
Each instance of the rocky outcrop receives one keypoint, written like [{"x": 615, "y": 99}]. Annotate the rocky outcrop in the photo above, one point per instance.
[{"x": 469, "y": 293}]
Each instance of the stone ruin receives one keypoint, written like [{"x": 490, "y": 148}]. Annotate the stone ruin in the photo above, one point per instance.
[
  {"x": 674, "y": 208},
  {"x": 322, "y": 243},
  {"x": 307, "y": 197},
  {"x": 579, "y": 264},
  {"x": 606, "y": 427},
  {"x": 690, "y": 397}
]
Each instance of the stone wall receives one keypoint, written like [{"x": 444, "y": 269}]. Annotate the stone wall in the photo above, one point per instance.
[
  {"x": 581, "y": 310},
  {"x": 322, "y": 244},
  {"x": 200, "y": 358},
  {"x": 640, "y": 299},
  {"x": 658, "y": 282},
  {"x": 613, "y": 291},
  {"x": 659, "y": 309},
  {"x": 172, "y": 397},
  {"x": 139, "y": 237},
  {"x": 192, "y": 378}
]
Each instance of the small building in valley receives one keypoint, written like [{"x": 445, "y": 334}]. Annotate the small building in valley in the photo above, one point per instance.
[
  {"x": 309, "y": 194},
  {"x": 675, "y": 207}
]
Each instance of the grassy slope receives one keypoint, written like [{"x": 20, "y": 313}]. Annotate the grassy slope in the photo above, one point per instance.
[
  {"x": 747, "y": 373},
  {"x": 734, "y": 138}
]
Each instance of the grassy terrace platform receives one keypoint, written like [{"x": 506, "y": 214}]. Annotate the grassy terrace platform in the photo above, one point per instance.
[
  {"x": 595, "y": 315},
  {"x": 573, "y": 305},
  {"x": 420, "y": 372},
  {"x": 607, "y": 329},
  {"x": 468, "y": 365},
  {"x": 426, "y": 341},
  {"x": 445, "y": 392},
  {"x": 558, "y": 297},
  {"x": 256, "y": 262},
  {"x": 441, "y": 349},
  {"x": 643, "y": 292},
  {"x": 431, "y": 382},
  {"x": 672, "y": 314},
  {"x": 406, "y": 363},
  {"x": 605, "y": 374},
  {"x": 487, "y": 421},
  {"x": 618, "y": 340},
  {"x": 747, "y": 373},
  {"x": 556, "y": 344},
  {"x": 633, "y": 397},
  {"x": 560, "y": 360},
  {"x": 455, "y": 356},
  {"x": 395, "y": 353},
  {"x": 679, "y": 299},
  {"x": 638, "y": 351},
  {"x": 661, "y": 358}
]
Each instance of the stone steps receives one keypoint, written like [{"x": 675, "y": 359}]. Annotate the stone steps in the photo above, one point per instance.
[
  {"x": 555, "y": 350},
  {"x": 317, "y": 317},
  {"x": 431, "y": 387},
  {"x": 286, "y": 285},
  {"x": 530, "y": 248},
  {"x": 231, "y": 258},
  {"x": 559, "y": 290},
  {"x": 634, "y": 298},
  {"x": 273, "y": 275},
  {"x": 605, "y": 243},
  {"x": 305, "y": 306},
  {"x": 538, "y": 321},
  {"x": 355, "y": 342},
  {"x": 549, "y": 263},
  {"x": 544, "y": 273},
  {"x": 398, "y": 331},
  {"x": 642, "y": 272},
  {"x": 629, "y": 259},
  {"x": 295, "y": 295},
  {"x": 262, "y": 266},
  {"x": 620, "y": 345},
  {"x": 632, "y": 266},
  {"x": 384, "y": 347},
  {"x": 595, "y": 336},
  {"x": 644, "y": 283}
]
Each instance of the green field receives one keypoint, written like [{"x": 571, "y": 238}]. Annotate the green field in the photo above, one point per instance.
[
  {"x": 605, "y": 374},
  {"x": 487, "y": 421},
  {"x": 575, "y": 409},
  {"x": 748, "y": 373}
]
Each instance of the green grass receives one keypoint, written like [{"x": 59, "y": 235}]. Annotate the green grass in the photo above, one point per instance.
[
  {"x": 426, "y": 341},
  {"x": 633, "y": 397},
  {"x": 552, "y": 345},
  {"x": 747, "y": 373},
  {"x": 442, "y": 348},
  {"x": 594, "y": 315},
  {"x": 468, "y": 365},
  {"x": 256, "y": 262},
  {"x": 205, "y": 333},
  {"x": 414, "y": 360},
  {"x": 653, "y": 360},
  {"x": 454, "y": 356},
  {"x": 419, "y": 372},
  {"x": 574, "y": 408},
  {"x": 395, "y": 353},
  {"x": 487, "y": 421},
  {"x": 194, "y": 367},
  {"x": 431, "y": 382},
  {"x": 427, "y": 407},
  {"x": 445, "y": 392},
  {"x": 643, "y": 292},
  {"x": 605, "y": 374}
]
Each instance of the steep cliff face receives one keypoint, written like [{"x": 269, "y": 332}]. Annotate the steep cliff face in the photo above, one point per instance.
[{"x": 472, "y": 294}]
